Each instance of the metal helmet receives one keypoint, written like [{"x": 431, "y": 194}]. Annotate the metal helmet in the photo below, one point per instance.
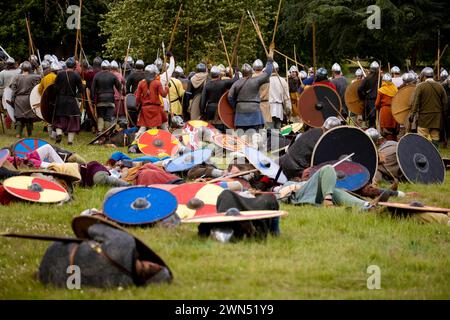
[
  {"x": 276, "y": 67},
  {"x": 152, "y": 71},
  {"x": 62, "y": 64},
  {"x": 330, "y": 123},
  {"x": 48, "y": 58},
  {"x": 246, "y": 70},
  {"x": 45, "y": 65},
  {"x": 373, "y": 134},
  {"x": 97, "y": 62},
  {"x": 106, "y": 64},
  {"x": 71, "y": 63},
  {"x": 114, "y": 65},
  {"x": 293, "y": 69},
  {"x": 321, "y": 74},
  {"x": 374, "y": 66},
  {"x": 159, "y": 63},
  {"x": 311, "y": 71},
  {"x": 177, "y": 122},
  {"x": 34, "y": 58},
  {"x": 359, "y": 72},
  {"x": 387, "y": 77},
  {"x": 10, "y": 61},
  {"x": 303, "y": 74},
  {"x": 139, "y": 64},
  {"x": 130, "y": 60},
  {"x": 179, "y": 71},
  {"x": 26, "y": 66},
  {"x": 201, "y": 67},
  {"x": 395, "y": 70},
  {"x": 258, "y": 65},
  {"x": 408, "y": 77},
  {"x": 427, "y": 72},
  {"x": 215, "y": 72},
  {"x": 222, "y": 68},
  {"x": 336, "y": 68},
  {"x": 55, "y": 66},
  {"x": 444, "y": 74}
]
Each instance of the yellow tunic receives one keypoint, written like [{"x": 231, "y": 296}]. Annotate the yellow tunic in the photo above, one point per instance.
[
  {"x": 176, "y": 94},
  {"x": 46, "y": 81}
]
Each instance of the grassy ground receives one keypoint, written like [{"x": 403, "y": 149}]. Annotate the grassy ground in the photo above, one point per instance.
[{"x": 321, "y": 254}]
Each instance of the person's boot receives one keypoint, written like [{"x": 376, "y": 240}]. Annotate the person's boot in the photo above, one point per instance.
[{"x": 19, "y": 129}]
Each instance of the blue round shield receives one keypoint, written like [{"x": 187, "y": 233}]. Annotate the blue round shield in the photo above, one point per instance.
[
  {"x": 351, "y": 176},
  {"x": 140, "y": 205},
  {"x": 24, "y": 146},
  {"x": 189, "y": 160}
]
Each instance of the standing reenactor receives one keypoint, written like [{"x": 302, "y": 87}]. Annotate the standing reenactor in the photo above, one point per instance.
[
  {"x": 368, "y": 91},
  {"x": 396, "y": 76},
  {"x": 430, "y": 102},
  {"x": 258, "y": 67},
  {"x": 103, "y": 87},
  {"x": 21, "y": 88},
  {"x": 7, "y": 75},
  {"x": 135, "y": 77},
  {"x": 212, "y": 92},
  {"x": 119, "y": 94},
  {"x": 68, "y": 85},
  {"x": 194, "y": 91},
  {"x": 279, "y": 99},
  {"x": 295, "y": 88},
  {"x": 340, "y": 82},
  {"x": 245, "y": 97}
]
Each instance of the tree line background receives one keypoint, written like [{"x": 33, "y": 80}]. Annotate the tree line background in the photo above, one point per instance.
[{"x": 408, "y": 34}]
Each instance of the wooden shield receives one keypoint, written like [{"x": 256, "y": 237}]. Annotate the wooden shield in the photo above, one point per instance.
[
  {"x": 343, "y": 141},
  {"x": 35, "y": 189},
  {"x": 35, "y": 102},
  {"x": 317, "y": 103},
  {"x": 226, "y": 111},
  {"x": 412, "y": 208},
  {"x": 6, "y": 98},
  {"x": 402, "y": 103},
  {"x": 229, "y": 142},
  {"x": 242, "y": 216},
  {"x": 419, "y": 160},
  {"x": 158, "y": 143},
  {"x": 352, "y": 100},
  {"x": 27, "y": 145},
  {"x": 105, "y": 133},
  {"x": 48, "y": 104}
]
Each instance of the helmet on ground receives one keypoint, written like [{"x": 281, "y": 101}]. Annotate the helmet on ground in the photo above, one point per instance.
[
  {"x": 177, "y": 122},
  {"x": 373, "y": 134},
  {"x": 331, "y": 122}
]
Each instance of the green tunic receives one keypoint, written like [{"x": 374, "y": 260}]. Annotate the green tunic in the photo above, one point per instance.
[{"x": 430, "y": 101}]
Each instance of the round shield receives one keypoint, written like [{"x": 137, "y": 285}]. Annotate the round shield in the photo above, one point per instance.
[
  {"x": 226, "y": 111},
  {"x": 92, "y": 112},
  {"x": 241, "y": 216},
  {"x": 351, "y": 176},
  {"x": 4, "y": 154},
  {"x": 167, "y": 187},
  {"x": 317, "y": 103},
  {"x": 139, "y": 206},
  {"x": 189, "y": 160},
  {"x": 7, "y": 96},
  {"x": 35, "y": 189},
  {"x": 343, "y": 141},
  {"x": 264, "y": 164},
  {"x": 48, "y": 103},
  {"x": 419, "y": 160},
  {"x": 24, "y": 146},
  {"x": 352, "y": 100},
  {"x": 105, "y": 133},
  {"x": 158, "y": 143},
  {"x": 413, "y": 207},
  {"x": 35, "y": 102},
  {"x": 196, "y": 199},
  {"x": 402, "y": 103},
  {"x": 229, "y": 142}
]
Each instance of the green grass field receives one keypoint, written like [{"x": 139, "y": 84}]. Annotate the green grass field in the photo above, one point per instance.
[{"x": 321, "y": 254}]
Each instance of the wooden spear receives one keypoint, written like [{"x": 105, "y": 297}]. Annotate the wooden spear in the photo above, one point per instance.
[
  {"x": 314, "y": 46},
  {"x": 126, "y": 57},
  {"x": 276, "y": 22},
  {"x": 30, "y": 39},
  {"x": 175, "y": 26},
  {"x": 238, "y": 39},
  {"x": 225, "y": 48},
  {"x": 258, "y": 30},
  {"x": 78, "y": 31}
]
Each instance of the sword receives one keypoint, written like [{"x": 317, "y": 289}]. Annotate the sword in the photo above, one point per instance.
[{"x": 42, "y": 237}]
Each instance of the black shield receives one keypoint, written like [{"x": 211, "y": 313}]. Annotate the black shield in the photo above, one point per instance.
[
  {"x": 343, "y": 141},
  {"x": 419, "y": 160}
]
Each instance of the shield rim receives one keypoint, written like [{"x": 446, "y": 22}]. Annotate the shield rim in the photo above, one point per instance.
[
  {"x": 396, "y": 116},
  {"x": 352, "y": 85},
  {"x": 220, "y": 111}
]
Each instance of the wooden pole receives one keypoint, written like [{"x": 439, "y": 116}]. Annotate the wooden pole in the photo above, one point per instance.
[
  {"x": 276, "y": 22},
  {"x": 225, "y": 48},
  {"x": 126, "y": 57},
  {"x": 314, "y": 46},
  {"x": 30, "y": 39},
  {"x": 289, "y": 58},
  {"x": 296, "y": 64},
  {"x": 187, "y": 42},
  {"x": 438, "y": 73},
  {"x": 377, "y": 119},
  {"x": 258, "y": 31},
  {"x": 78, "y": 31},
  {"x": 175, "y": 26},
  {"x": 238, "y": 39}
]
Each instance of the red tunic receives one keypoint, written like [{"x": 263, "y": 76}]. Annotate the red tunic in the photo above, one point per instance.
[
  {"x": 148, "y": 97},
  {"x": 383, "y": 104},
  {"x": 326, "y": 83}
]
